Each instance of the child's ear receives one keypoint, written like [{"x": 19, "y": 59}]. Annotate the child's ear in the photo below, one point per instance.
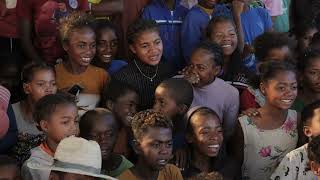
[
  {"x": 307, "y": 131},
  {"x": 131, "y": 47},
  {"x": 65, "y": 45},
  {"x": 189, "y": 138},
  {"x": 263, "y": 88},
  {"x": 26, "y": 88},
  {"x": 137, "y": 146},
  {"x": 314, "y": 168},
  {"x": 109, "y": 104},
  {"x": 44, "y": 125},
  {"x": 217, "y": 70}
]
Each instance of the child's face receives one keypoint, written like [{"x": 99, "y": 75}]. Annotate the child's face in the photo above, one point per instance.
[
  {"x": 42, "y": 84},
  {"x": 148, "y": 47},
  {"x": 165, "y": 103},
  {"x": 312, "y": 75},
  {"x": 125, "y": 107},
  {"x": 281, "y": 91},
  {"x": 107, "y": 45},
  {"x": 203, "y": 64},
  {"x": 313, "y": 129},
  {"x": 305, "y": 40},
  {"x": 156, "y": 147},
  {"x": 10, "y": 172},
  {"x": 207, "y": 134},
  {"x": 225, "y": 35},
  {"x": 81, "y": 47},
  {"x": 62, "y": 122},
  {"x": 105, "y": 134},
  {"x": 279, "y": 54}
]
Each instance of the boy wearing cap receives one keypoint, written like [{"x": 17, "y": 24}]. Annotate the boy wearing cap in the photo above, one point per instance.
[
  {"x": 75, "y": 158},
  {"x": 56, "y": 115}
]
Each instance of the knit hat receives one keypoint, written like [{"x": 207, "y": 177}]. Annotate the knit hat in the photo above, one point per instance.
[
  {"x": 75, "y": 155},
  {"x": 4, "y": 102}
]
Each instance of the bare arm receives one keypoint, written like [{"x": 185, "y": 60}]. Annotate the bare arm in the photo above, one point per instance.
[
  {"x": 237, "y": 9},
  {"x": 25, "y": 30},
  {"x": 107, "y": 7}
]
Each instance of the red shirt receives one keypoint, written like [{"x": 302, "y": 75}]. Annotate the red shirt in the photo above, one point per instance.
[
  {"x": 45, "y": 15},
  {"x": 247, "y": 100},
  {"x": 8, "y": 23}
]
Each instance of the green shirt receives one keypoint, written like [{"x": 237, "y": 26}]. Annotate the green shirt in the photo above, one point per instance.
[
  {"x": 281, "y": 23},
  {"x": 125, "y": 164}
]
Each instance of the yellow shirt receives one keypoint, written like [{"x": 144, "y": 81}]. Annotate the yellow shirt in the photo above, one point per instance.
[
  {"x": 169, "y": 172},
  {"x": 93, "y": 80}
]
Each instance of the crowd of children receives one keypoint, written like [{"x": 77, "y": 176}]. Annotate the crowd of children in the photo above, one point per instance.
[{"x": 159, "y": 89}]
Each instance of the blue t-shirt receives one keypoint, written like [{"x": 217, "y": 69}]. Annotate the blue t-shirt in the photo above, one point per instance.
[
  {"x": 116, "y": 65},
  {"x": 255, "y": 22}
]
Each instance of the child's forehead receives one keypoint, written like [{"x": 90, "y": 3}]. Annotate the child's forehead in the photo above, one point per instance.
[{"x": 157, "y": 134}]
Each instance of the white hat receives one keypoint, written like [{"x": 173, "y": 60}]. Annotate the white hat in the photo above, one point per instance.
[{"x": 76, "y": 155}]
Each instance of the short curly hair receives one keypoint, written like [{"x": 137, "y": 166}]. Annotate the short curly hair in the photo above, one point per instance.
[
  {"x": 314, "y": 149},
  {"x": 140, "y": 26},
  {"x": 268, "y": 41},
  {"x": 144, "y": 120},
  {"x": 214, "y": 49},
  {"x": 75, "y": 20}
]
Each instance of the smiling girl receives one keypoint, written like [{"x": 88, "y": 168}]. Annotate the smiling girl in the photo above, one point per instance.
[{"x": 260, "y": 142}]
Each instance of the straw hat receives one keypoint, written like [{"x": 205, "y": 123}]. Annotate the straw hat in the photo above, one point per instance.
[{"x": 75, "y": 155}]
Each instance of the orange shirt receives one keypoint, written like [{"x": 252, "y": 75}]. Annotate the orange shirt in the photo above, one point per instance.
[
  {"x": 168, "y": 172},
  {"x": 93, "y": 80}
]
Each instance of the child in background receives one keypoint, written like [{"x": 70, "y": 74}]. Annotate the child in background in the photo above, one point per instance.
[
  {"x": 145, "y": 71},
  {"x": 303, "y": 33},
  {"x": 107, "y": 48},
  {"x": 44, "y": 17},
  {"x": 75, "y": 158},
  {"x": 122, "y": 100},
  {"x": 153, "y": 144},
  {"x": 268, "y": 46},
  {"x": 222, "y": 30},
  {"x": 260, "y": 142},
  {"x": 38, "y": 81},
  {"x": 205, "y": 137},
  {"x": 315, "y": 42},
  {"x": 169, "y": 14},
  {"x": 195, "y": 23},
  {"x": 295, "y": 165},
  {"x": 56, "y": 116},
  {"x": 173, "y": 98},
  {"x": 100, "y": 125},
  {"x": 79, "y": 41},
  {"x": 313, "y": 155},
  {"x": 209, "y": 90},
  {"x": 9, "y": 169}
]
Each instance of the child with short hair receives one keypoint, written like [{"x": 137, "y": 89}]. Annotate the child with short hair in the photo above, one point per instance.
[
  {"x": 9, "y": 169},
  {"x": 107, "y": 48},
  {"x": 75, "y": 158},
  {"x": 295, "y": 165},
  {"x": 79, "y": 41},
  {"x": 122, "y": 100},
  {"x": 169, "y": 14},
  {"x": 313, "y": 155},
  {"x": 260, "y": 142},
  {"x": 153, "y": 144},
  {"x": 303, "y": 33},
  {"x": 38, "y": 80},
  {"x": 209, "y": 90},
  {"x": 56, "y": 116},
  {"x": 195, "y": 23},
  {"x": 145, "y": 71},
  {"x": 101, "y": 126},
  {"x": 205, "y": 137}
]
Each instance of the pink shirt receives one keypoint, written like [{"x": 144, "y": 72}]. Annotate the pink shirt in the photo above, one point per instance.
[{"x": 274, "y": 7}]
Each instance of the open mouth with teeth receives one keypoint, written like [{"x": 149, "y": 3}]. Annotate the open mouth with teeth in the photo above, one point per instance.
[
  {"x": 86, "y": 59},
  {"x": 226, "y": 46},
  {"x": 162, "y": 162},
  {"x": 287, "y": 101},
  {"x": 106, "y": 58}
]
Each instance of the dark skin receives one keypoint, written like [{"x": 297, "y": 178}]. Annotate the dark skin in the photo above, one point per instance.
[
  {"x": 170, "y": 4},
  {"x": 107, "y": 8},
  {"x": 25, "y": 30}
]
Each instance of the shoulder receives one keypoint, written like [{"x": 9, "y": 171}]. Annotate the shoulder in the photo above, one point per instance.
[
  {"x": 127, "y": 174},
  {"x": 194, "y": 13},
  {"x": 171, "y": 171},
  {"x": 226, "y": 86}
]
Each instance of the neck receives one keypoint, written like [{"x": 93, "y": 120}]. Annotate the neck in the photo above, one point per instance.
[
  {"x": 27, "y": 107},
  {"x": 74, "y": 68},
  {"x": 226, "y": 61},
  {"x": 52, "y": 144},
  {"x": 170, "y": 4},
  {"x": 143, "y": 171},
  {"x": 201, "y": 161},
  {"x": 110, "y": 163},
  {"x": 275, "y": 112},
  {"x": 310, "y": 95},
  {"x": 202, "y": 4},
  {"x": 102, "y": 64}
]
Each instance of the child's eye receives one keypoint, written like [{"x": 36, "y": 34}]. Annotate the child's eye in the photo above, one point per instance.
[
  {"x": 156, "y": 145},
  {"x": 93, "y": 46},
  {"x": 158, "y": 41}
]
